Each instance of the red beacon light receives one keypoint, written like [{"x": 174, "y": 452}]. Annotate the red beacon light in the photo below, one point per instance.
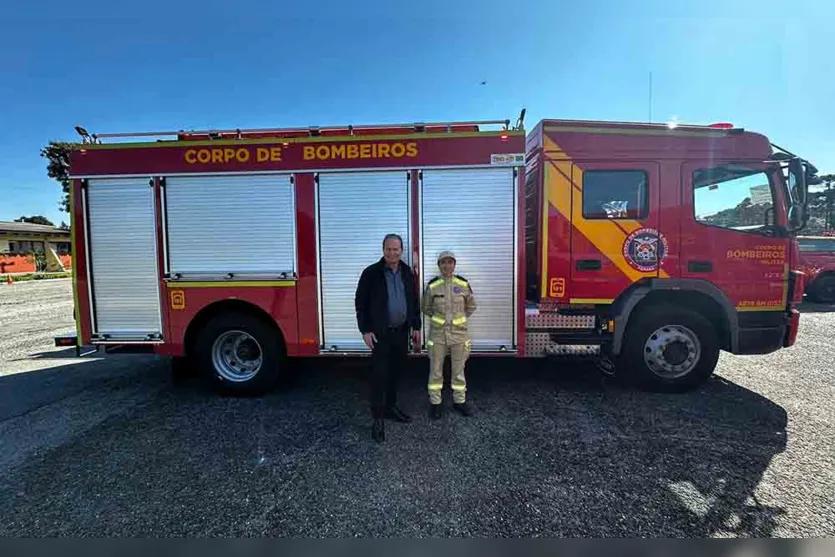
[{"x": 722, "y": 126}]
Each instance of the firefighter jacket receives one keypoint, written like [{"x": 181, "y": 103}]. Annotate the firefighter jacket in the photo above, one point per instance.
[{"x": 449, "y": 303}]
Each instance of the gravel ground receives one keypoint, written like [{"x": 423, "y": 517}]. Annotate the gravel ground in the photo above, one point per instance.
[{"x": 113, "y": 447}]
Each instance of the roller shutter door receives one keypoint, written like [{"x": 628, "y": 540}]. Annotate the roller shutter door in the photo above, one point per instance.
[
  {"x": 123, "y": 258},
  {"x": 245, "y": 225},
  {"x": 356, "y": 210},
  {"x": 472, "y": 213}
]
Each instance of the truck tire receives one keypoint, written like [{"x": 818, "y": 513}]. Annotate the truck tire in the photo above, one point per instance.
[
  {"x": 670, "y": 350},
  {"x": 239, "y": 354},
  {"x": 823, "y": 289}
]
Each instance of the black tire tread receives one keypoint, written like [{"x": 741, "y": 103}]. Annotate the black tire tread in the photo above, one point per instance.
[
  {"x": 814, "y": 289},
  {"x": 643, "y": 324}
]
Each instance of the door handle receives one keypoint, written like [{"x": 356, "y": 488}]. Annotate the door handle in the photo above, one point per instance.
[
  {"x": 589, "y": 264},
  {"x": 699, "y": 266}
]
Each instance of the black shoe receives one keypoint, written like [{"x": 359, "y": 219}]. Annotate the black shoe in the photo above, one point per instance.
[
  {"x": 463, "y": 408},
  {"x": 378, "y": 430},
  {"x": 396, "y": 414},
  {"x": 435, "y": 411}
]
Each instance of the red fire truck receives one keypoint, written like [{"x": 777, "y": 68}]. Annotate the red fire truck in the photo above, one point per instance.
[
  {"x": 651, "y": 247},
  {"x": 817, "y": 262}
]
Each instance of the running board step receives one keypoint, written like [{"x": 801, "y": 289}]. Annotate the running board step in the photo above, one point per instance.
[
  {"x": 535, "y": 319},
  {"x": 584, "y": 337},
  {"x": 562, "y": 343}
]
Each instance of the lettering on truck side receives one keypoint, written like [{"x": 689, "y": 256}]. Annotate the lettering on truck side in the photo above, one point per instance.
[
  {"x": 360, "y": 151},
  {"x": 219, "y": 155},
  {"x": 343, "y": 151}
]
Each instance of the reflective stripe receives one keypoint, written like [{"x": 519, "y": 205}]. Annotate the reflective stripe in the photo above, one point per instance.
[
  {"x": 468, "y": 343},
  {"x": 438, "y": 320},
  {"x": 435, "y": 284},
  {"x": 459, "y": 320},
  {"x": 460, "y": 282},
  {"x": 430, "y": 343},
  {"x": 459, "y": 387},
  {"x": 436, "y": 386}
]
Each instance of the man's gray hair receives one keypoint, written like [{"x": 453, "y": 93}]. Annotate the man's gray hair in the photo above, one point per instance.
[{"x": 392, "y": 237}]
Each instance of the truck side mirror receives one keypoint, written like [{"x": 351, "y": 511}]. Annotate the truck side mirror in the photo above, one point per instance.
[
  {"x": 769, "y": 216},
  {"x": 797, "y": 217},
  {"x": 797, "y": 175}
]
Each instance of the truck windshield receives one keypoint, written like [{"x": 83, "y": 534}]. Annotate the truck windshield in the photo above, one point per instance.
[{"x": 733, "y": 196}]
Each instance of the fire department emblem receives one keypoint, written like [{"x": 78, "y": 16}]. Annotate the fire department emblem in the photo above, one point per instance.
[
  {"x": 457, "y": 289},
  {"x": 645, "y": 249}
]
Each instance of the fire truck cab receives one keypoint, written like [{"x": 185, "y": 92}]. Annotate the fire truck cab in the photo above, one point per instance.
[
  {"x": 649, "y": 247},
  {"x": 661, "y": 244}
]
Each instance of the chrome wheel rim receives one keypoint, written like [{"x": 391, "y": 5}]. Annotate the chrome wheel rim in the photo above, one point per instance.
[
  {"x": 237, "y": 356},
  {"x": 672, "y": 351}
]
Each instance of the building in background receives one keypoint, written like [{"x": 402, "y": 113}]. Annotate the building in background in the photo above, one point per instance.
[{"x": 22, "y": 244}]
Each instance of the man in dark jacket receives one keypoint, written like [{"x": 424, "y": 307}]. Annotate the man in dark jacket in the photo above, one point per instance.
[{"x": 387, "y": 309}]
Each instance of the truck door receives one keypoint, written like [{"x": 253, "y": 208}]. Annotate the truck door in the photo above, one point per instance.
[
  {"x": 123, "y": 259},
  {"x": 471, "y": 211},
  {"x": 615, "y": 239},
  {"x": 729, "y": 235},
  {"x": 355, "y": 211}
]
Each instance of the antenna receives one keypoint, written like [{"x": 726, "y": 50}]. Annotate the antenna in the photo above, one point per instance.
[{"x": 650, "y": 98}]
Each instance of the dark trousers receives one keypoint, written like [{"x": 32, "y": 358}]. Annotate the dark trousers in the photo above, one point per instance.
[{"x": 388, "y": 359}]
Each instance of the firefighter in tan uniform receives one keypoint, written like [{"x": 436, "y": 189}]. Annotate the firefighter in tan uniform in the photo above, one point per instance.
[{"x": 448, "y": 302}]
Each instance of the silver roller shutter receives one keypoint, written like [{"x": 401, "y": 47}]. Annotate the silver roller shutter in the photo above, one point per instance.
[
  {"x": 471, "y": 212},
  {"x": 244, "y": 225},
  {"x": 356, "y": 210},
  {"x": 123, "y": 255}
]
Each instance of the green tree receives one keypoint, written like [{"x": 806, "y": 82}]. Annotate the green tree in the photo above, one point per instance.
[
  {"x": 57, "y": 154},
  {"x": 35, "y": 219},
  {"x": 822, "y": 207}
]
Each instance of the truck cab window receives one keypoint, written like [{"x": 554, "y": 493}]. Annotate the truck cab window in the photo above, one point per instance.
[
  {"x": 733, "y": 196},
  {"x": 816, "y": 245},
  {"x": 615, "y": 194}
]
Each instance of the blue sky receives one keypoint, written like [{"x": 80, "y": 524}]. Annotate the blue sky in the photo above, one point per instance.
[{"x": 170, "y": 65}]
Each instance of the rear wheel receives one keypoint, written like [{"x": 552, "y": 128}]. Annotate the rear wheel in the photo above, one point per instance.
[
  {"x": 239, "y": 354},
  {"x": 823, "y": 289},
  {"x": 669, "y": 350}
]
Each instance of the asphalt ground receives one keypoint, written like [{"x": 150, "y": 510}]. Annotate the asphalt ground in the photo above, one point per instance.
[{"x": 115, "y": 447}]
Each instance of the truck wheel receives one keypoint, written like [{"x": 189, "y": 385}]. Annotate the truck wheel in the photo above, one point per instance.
[
  {"x": 669, "y": 350},
  {"x": 823, "y": 289},
  {"x": 239, "y": 354}
]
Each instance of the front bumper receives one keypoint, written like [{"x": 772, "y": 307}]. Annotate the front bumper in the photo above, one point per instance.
[{"x": 763, "y": 332}]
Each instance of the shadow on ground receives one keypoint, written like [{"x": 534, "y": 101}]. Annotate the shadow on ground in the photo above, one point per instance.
[{"x": 551, "y": 452}]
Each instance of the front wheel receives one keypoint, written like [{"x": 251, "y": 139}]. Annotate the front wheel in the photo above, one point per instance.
[
  {"x": 823, "y": 289},
  {"x": 239, "y": 354},
  {"x": 669, "y": 350}
]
